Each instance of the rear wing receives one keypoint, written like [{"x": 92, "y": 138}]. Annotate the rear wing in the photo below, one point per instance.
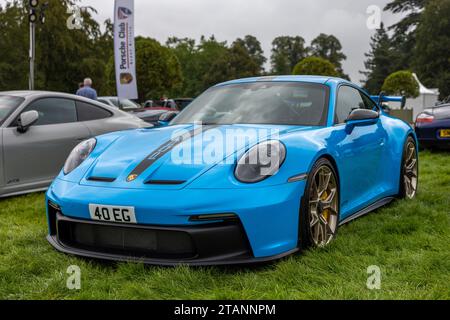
[{"x": 382, "y": 98}]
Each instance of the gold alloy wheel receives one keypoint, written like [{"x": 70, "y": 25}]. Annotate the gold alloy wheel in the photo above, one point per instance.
[
  {"x": 323, "y": 206},
  {"x": 410, "y": 170}
]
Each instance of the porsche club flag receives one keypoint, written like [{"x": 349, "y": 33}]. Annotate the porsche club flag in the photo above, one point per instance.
[{"x": 124, "y": 51}]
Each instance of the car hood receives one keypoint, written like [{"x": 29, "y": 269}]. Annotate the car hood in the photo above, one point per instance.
[{"x": 174, "y": 156}]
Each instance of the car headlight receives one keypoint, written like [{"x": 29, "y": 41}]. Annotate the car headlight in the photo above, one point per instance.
[
  {"x": 260, "y": 162},
  {"x": 79, "y": 154}
]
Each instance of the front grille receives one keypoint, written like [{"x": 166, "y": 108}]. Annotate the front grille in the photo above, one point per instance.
[
  {"x": 132, "y": 241},
  {"x": 208, "y": 241}
]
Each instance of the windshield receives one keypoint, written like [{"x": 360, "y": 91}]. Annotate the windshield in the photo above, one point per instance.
[
  {"x": 7, "y": 105},
  {"x": 285, "y": 103},
  {"x": 165, "y": 104},
  {"x": 126, "y": 104}
]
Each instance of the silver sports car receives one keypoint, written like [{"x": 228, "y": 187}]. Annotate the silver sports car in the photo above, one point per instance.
[{"x": 39, "y": 129}]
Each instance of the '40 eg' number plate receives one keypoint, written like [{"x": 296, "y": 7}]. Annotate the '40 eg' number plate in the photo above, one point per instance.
[{"x": 112, "y": 213}]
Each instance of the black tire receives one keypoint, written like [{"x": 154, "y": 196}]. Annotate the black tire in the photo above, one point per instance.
[
  {"x": 403, "y": 188},
  {"x": 305, "y": 234}
]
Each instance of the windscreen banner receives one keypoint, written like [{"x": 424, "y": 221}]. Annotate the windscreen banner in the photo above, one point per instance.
[{"x": 124, "y": 50}]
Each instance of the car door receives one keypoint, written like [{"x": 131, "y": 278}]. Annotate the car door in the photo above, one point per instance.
[
  {"x": 361, "y": 152},
  {"x": 33, "y": 158}
]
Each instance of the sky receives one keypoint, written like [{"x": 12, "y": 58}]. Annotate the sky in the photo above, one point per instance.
[{"x": 265, "y": 19}]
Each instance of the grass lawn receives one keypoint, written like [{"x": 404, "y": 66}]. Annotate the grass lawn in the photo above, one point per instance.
[{"x": 408, "y": 240}]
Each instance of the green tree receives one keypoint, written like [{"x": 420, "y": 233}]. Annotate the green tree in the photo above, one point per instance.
[
  {"x": 187, "y": 53},
  {"x": 401, "y": 83},
  {"x": 63, "y": 57},
  {"x": 380, "y": 61},
  {"x": 329, "y": 48},
  {"x": 13, "y": 47},
  {"x": 431, "y": 59},
  {"x": 388, "y": 54},
  {"x": 197, "y": 62},
  {"x": 315, "y": 66},
  {"x": 286, "y": 53},
  {"x": 157, "y": 69},
  {"x": 253, "y": 47},
  {"x": 209, "y": 51},
  {"x": 237, "y": 63},
  {"x": 411, "y": 10},
  {"x": 404, "y": 31}
]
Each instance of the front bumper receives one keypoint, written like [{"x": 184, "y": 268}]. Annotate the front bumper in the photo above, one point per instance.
[
  {"x": 214, "y": 244},
  {"x": 265, "y": 226}
]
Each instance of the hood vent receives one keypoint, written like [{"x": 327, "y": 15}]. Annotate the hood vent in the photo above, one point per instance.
[
  {"x": 102, "y": 179},
  {"x": 165, "y": 182}
]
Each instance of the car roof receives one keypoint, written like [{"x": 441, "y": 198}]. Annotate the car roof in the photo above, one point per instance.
[
  {"x": 22, "y": 93},
  {"x": 111, "y": 97},
  {"x": 38, "y": 93},
  {"x": 31, "y": 95},
  {"x": 291, "y": 78}
]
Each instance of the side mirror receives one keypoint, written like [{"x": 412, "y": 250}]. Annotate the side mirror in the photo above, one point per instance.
[
  {"x": 167, "y": 116},
  {"x": 360, "y": 117},
  {"x": 26, "y": 120}
]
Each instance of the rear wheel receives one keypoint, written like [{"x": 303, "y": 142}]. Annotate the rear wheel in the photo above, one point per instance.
[
  {"x": 409, "y": 177},
  {"x": 319, "y": 213}
]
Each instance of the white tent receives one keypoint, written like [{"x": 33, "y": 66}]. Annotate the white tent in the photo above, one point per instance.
[{"x": 426, "y": 99}]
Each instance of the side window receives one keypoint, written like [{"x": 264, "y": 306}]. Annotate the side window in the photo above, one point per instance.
[
  {"x": 368, "y": 103},
  {"x": 348, "y": 99},
  {"x": 53, "y": 111},
  {"x": 87, "y": 112}
]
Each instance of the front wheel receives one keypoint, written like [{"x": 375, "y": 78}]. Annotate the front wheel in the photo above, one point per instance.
[
  {"x": 409, "y": 176},
  {"x": 319, "y": 212}
]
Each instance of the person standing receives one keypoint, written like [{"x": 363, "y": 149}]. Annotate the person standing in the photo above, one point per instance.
[{"x": 87, "y": 91}]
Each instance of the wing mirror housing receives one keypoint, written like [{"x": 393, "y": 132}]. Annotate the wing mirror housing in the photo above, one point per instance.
[
  {"x": 26, "y": 120},
  {"x": 166, "y": 117},
  {"x": 360, "y": 117}
]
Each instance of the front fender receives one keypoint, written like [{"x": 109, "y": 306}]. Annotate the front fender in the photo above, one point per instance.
[
  {"x": 302, "y": 150},
  {"x": 103, "y": 142}
]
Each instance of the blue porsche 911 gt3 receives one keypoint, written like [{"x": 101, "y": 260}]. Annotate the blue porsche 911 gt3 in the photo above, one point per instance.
[{"x": 251, "y": 171}]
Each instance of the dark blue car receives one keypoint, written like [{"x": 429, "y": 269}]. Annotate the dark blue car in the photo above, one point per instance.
[{"x": 433, "y": 127}]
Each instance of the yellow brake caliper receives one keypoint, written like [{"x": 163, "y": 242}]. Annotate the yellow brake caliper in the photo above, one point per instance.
[{"x": 326, "y": 212}]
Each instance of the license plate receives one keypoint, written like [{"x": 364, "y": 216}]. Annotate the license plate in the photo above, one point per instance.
[
  {"x": 445, "y": 133},
  {"x": 119, "y": 214}
]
